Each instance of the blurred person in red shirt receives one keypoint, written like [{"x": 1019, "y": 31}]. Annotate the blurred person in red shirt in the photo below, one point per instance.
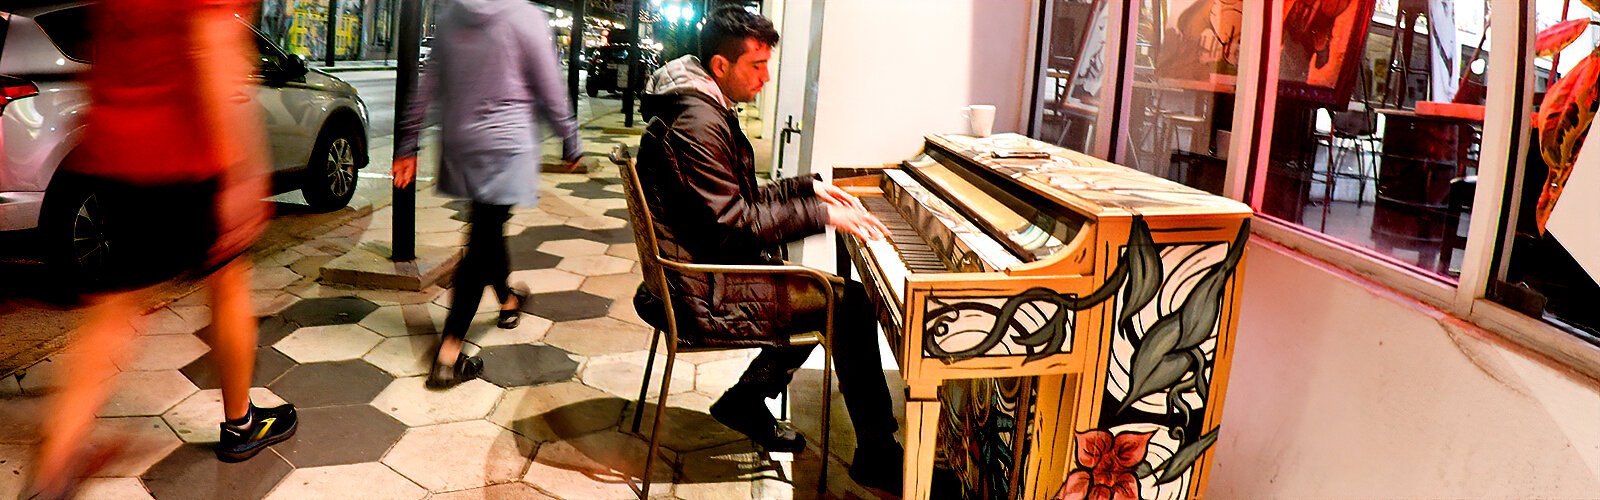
[{"x": 177, "y": 159}]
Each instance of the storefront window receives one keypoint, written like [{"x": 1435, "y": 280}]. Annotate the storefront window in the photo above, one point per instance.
[
  {"x": 1377, "y": 126},
  {"x": 1074, "y": 77},
  {"x": 1186, "y": 64},
  {"x": 1550, "y": 258}
]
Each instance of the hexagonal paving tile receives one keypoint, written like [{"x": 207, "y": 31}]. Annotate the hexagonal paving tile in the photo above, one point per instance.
[
  {"x": 534, "y": 236},
  {"x": 408, "y": 400},
  {"x": 715, "y": 377},
  {"x": 328, "y": 343},
  {"x": 403, "y": 320},
  {"x": 608, "y": 202},
  {"x": 143, "y": 442},
  {"x": 598, "y": 465},
  {"x": 49, "y": 373},
  {"x": 599, "y": 337},
  {"x": 567, "y": 305},
  {"x": 162, "y": 352},
  {"x": 487, "y": 302},
  {"x": 544, "y": 280},
  {"x": 479, "y": 453},
  {"x": 538, "y": 219},
  {"x": 21, "y": 415},
  {"x": 195, "y": 419},
  {"x": 508, "y": 491},
  {"x": 404, "y": 356},
  {"x": 271, "y": 329},
  {"x": 372, "y": 480},
  {"x": 622, "y": 376},
  {"x": 597, "y": 222},
  {"x": 620, "y": 213},
  {"x": 331, "y": 384},
  {"x": 269, "y": 365},
  {"x": 119, "y": 488},
  {"x": 523, "y": 260},
  {"x": 273, "y": 278},
  {"x": 339, "y": 435},
  {"x": 612, "y": 236},
  {"x": 688, "y": 426},
  {"x": 193, "y": 471},
  {"x": 522, "y": 365},
  {"x": 572, "y": 248},
  {"x": 558, "y": 411},
  {"x": 140, "y": 394},
  {"x": 166, "y": 321},
  {"x": 530, "y": 329},
  {"x": 15, "y": 469},
  {"x": 619, "y": 287},
  {"x": 624, "y": 251},
  {"x": 726, "y": 472},
  {"x": 328, "y": 311}
]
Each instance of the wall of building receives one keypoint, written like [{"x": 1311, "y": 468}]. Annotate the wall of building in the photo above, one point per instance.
[
  {"x": 889, "y": 71},
  {"x": 1343, "y": 389}
]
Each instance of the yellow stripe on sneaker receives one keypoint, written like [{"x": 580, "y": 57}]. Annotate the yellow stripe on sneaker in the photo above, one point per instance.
[{"x": 266, "y": 423}]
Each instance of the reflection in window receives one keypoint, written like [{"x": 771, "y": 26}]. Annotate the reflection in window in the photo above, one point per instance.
[
  {"x": 1186, "y": 63},
  {"x": 1074, "y": 73},
  {"x": 1550, "y": 268},
  {"x": 1378, "y": 122}
]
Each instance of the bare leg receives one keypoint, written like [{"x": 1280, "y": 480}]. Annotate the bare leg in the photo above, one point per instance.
[
  {"x": 105, "y": 335},
  {"x": 233, "y": 339}
]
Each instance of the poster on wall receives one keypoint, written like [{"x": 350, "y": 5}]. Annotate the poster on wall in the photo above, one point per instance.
[
  {"x": 1323, "y": 42},
  {"x": 306, "y": 26},
  {"x": 1445, "y": 76},
  {"x": 1201, "y": 38},
  {"x": 1572, "y": 221},
  {"x": 1090, "y": 70}
]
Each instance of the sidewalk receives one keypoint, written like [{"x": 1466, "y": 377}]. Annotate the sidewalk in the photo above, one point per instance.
[{"x": 550, "y": 418}]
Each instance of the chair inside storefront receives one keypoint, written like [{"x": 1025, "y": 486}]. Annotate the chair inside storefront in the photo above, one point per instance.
[{"x": 1352, "y": 132}]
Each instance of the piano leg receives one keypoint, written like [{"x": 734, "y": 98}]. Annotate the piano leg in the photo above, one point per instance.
[{"x": 922, "y": 434}]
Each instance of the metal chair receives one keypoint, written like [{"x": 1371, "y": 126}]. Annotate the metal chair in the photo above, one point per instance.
[{"x": 655, "y": 267}]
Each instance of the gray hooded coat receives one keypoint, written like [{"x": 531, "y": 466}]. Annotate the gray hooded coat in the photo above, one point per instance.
[{"x": 493, "y": 72}]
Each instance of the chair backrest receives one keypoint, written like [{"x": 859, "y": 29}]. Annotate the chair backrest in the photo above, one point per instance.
[{"x": 644, "y": 229}]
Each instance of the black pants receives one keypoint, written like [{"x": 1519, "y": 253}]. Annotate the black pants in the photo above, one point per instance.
[
  {"x": 855, "y": 359},
  {"x": 485, "y": 264}
]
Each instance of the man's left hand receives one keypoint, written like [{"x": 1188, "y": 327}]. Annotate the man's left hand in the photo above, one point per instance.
[{"x": 832, "y": 195}]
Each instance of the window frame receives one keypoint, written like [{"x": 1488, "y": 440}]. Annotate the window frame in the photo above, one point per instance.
[{"x": 1503, "y": 150}]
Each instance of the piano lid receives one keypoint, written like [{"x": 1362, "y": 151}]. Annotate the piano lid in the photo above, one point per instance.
[{"x": 1087, "y": 185}]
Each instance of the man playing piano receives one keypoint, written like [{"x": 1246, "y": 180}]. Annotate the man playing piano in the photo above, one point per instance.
[{"x": 698, "y": 173}]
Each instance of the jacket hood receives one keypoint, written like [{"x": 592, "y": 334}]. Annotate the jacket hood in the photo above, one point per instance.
[
  {"x": 685, "y": 75},
  {"x": 475, "y": 12}
]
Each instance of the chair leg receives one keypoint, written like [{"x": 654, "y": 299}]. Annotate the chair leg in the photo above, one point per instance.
[
  {"x": 661, "y": 416},
  {"x": 644, "y": 387},
  {"x": 827, "y": 411},
  {"x": 783, "y": 404}
]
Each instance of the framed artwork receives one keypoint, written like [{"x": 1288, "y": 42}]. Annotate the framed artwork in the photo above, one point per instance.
[
  {"x": 1323, "y": 42},
  {"x": 1088, "y": 75},
  {"x": 1200, "y": 38}
]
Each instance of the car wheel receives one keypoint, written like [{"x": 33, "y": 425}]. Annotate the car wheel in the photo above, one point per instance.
[
  {"x": 78, "y": 247},
  {"x": 330, "y": 180}
]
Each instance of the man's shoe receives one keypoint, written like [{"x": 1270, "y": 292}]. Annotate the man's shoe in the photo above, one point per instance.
[
  {"x": 744, "y": 412},
  {"x": 268, "y": 426},
  {"x": 880, "y": 465}
]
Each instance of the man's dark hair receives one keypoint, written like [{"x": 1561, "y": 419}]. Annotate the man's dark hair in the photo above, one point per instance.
[{"x": 726, "y": 29}]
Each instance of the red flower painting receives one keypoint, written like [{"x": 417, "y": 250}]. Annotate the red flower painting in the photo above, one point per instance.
[{"x": 1107, "y": 466}]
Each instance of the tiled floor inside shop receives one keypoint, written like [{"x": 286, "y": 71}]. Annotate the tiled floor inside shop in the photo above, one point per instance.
[{"x": 550, "y": 417}]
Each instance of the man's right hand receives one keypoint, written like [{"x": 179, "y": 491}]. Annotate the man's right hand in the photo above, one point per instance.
[
  {"x": 857, "y": 222},
  {"x": 405, "y": 170}
]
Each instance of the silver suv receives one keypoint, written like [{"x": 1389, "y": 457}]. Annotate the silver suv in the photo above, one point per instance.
[{"x": 316, "y": 123}]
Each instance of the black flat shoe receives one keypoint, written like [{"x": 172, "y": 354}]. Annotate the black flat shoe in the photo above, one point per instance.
[
  {"x": 447, "y": 376},
  {"x": 510, "y": 318},
  {"x": 879, "y": 466},
  {"x": 747, "y": 414}
]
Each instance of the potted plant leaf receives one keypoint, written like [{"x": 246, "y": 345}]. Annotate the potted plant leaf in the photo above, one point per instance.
[{"x": 1568, "y": 108}]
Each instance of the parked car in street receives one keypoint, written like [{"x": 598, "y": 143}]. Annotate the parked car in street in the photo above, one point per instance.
[
  {"x": 317, "y": 127},
  {"x": 605, "y": 68}
]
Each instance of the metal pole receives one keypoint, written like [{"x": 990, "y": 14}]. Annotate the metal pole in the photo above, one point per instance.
[
  {"x": 331, "y": 37},
  {"x": 405, "y": 84},
  {"x": 635, "y": 64},
  {"x": 575, "y": 47}
]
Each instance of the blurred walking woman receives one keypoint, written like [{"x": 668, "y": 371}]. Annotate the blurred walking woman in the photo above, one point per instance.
[{"x": 493, "y": 73}]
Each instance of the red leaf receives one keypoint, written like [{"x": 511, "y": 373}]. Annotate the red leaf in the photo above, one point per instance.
[
  {"x": 1092, "y": 446},
  {"x": 1593, "y": 5},
  {"x": 1557, "y": 97},
  {"x": 1559, "y": 36},
  {"x": 1130, "y": 448}
]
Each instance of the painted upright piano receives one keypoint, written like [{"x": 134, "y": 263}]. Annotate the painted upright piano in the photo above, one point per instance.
[{"x": 1064, "y": 324}]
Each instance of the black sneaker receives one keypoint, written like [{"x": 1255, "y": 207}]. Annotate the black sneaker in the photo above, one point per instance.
[
  {"x": 444, "y": 377},
  {"x": 879, "y": 465},
  {"x": 745, "y": 412},
  {"x": 268, "y": 426}
]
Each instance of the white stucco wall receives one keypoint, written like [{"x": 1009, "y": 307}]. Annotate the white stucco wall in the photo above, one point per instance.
[{"x": 1343, "y": 389}]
